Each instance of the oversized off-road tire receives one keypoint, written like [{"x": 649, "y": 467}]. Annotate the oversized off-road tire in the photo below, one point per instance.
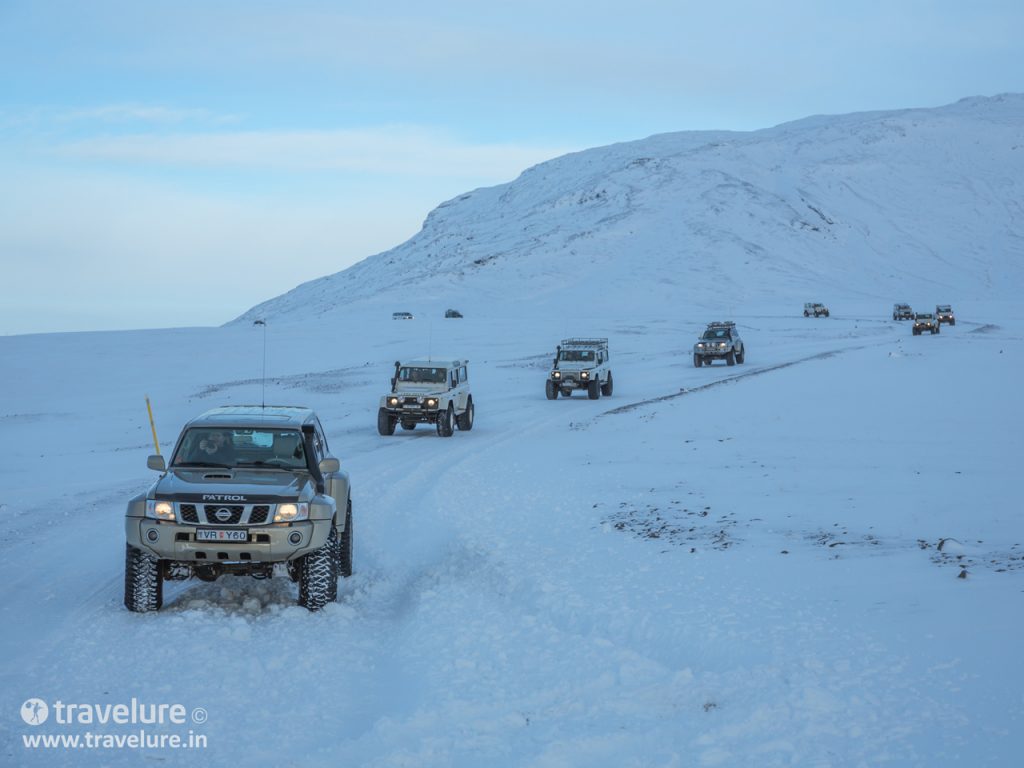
[
  {"x": 143, "y": 581},
  {"x": 741, "y": 356},
  {"x": 594, "y": 390},
  {"x": 806, "y": 313},
  {"x": 730, "y": 358},
  {"x": 385, "y": 422},
  {"x": 344, "y": 551},
  {"x": 607, "y": 387},
  {"x": 697, "y": 362},
  {"x": 936, "y": 329},
  {"x": 826, "y": 314},
  {"x": 550, "y": 390},
  {"x": 916, "y": 332},
  {"x": 952, "y": 322},
  {"x": 446, "y": 422},
  {"x": 465, "y": 419},
  {"x": 318, "y": 574}
]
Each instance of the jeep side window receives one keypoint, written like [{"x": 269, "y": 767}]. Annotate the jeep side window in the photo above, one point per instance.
[{"x": 462, "y": 374}]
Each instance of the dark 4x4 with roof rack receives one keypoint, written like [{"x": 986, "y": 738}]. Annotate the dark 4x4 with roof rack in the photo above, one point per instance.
[
  {"x": 720, "y": 341},
  {"x": 248, "y": 489}
]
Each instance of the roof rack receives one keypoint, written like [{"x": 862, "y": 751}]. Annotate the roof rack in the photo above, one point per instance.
[
  {"x": 575, "y": 342},
  {"x": 721, "y": 324}
]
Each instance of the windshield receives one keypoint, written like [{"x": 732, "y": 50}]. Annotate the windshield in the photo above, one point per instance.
[
  {"x": 214, "y": 447},
  {"x": 924, "y": 317},
  {"x": 944, "y": 309},
  {"x": 577, "y": 356},
  {"x": 716, "y": 333},
  {"x": 423, "y": 375}
]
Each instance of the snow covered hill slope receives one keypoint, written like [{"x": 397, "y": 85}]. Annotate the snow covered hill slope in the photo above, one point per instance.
[{"x": 884, "y": 205}]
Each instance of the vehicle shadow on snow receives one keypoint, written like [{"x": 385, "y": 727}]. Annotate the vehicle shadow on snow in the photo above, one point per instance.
[{"x": 243, "y": 596}]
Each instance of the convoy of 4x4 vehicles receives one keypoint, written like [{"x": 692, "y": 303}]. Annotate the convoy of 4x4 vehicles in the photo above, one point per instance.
[
  {"x": 249, "y": 490},
  {"x": 580, "y": 364},
  {"x": 720, "y": 341},
  {"x": 254, "y": 490},
  {"x": 428, "y": 392}
]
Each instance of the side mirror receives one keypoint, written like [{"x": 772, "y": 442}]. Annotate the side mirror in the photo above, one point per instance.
[
  {"x": 329, "y": 465},
  {"x": 156, "y": 461}
]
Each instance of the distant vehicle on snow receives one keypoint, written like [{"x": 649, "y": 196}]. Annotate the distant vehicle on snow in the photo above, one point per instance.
[
  {"x": 401, "y": 315},
  {"x": 902, "y": 312},
  {"x": 926, "y": 321},
  {"x": 813, "y": 308},
  {"x": 580, "y": 364},
  {"x": 428, "y": 392},
  {"x": 945, "y": 314},
  {"x": 452, "y": 313},
  {"x": 720, "y": 341}
]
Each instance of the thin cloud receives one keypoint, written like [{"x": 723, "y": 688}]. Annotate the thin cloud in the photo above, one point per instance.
[
  {"x": 407, "y": 151},
  {"x": 145, "y": 113}
]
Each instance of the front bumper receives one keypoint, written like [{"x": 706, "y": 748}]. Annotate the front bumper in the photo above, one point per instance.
[
  {"x": 573, "y": 380},
  {"x": 273, "y": 543},
  {"x": 712, "y": 351},
  {"x": 416, "y": 414}
]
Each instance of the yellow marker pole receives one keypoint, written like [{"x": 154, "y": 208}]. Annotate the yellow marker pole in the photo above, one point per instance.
[{"x": 152, "y": 425}]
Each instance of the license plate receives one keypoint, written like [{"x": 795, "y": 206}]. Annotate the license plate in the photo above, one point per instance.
[{"x": 220, "y": 534}]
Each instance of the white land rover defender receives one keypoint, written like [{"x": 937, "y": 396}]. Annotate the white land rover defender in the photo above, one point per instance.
[
  {"x": 580, "y": 364},
  {"x": 249, "y": 490},
  {"x": 428, "y": 392}
]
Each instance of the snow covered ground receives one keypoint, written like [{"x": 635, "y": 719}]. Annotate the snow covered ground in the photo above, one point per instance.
[
  {"x": 724, "y": 566},
  {"x": 815, "y": 558}
]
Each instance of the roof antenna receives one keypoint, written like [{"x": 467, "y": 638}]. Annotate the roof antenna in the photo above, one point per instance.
[{"x": 263, "y": 380}]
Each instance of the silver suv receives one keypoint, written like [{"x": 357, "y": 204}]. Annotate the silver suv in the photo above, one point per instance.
[
  {"x": 720, "y": 341},
  {"x": 580, "y": 364},
  {"x": 815, "y": 309},
  {"x": 902, "y": 312},
  {"x": 925, "y": 321},
  {"x": 248, "y": 488},
  {"x": 428, "y": 392},
  {"x": 944, "y": 313}
]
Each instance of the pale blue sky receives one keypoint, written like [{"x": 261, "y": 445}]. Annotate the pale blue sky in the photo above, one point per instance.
[{"x": 174, "y": 163}]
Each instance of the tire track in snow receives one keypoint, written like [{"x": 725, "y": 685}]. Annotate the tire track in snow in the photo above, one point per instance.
[{"x": 729, "y": 380}]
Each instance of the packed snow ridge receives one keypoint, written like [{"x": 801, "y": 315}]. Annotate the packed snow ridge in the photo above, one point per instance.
[{"x": 865, "y": 202}]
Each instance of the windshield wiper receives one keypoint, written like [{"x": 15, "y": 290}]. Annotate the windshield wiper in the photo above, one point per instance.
[{"x": 265, "y": 465}]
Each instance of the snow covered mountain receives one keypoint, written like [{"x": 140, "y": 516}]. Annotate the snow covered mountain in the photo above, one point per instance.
[{"x": 879, "y": 205}]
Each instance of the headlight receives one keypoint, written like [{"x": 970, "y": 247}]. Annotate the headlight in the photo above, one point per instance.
[
  {"x": 392, "y": 401},
  {"x": 161, "y": 510},
  {"x": 556, "y": 375},
  {"x": 722, "y": 344},
  {"x": 585, "y": 375},
  {"x": 431, "y": 402},
  {"x": 286, "y": 513},
  {"x": 700, "y": 345}
]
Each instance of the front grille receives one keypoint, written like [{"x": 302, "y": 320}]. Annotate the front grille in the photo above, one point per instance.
[
  {"x": 244, "y": 514},
  {"x": 259, "y": 514},
  {"x": 410, "y": 401},
  {"x": 211, "y": 513}
]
